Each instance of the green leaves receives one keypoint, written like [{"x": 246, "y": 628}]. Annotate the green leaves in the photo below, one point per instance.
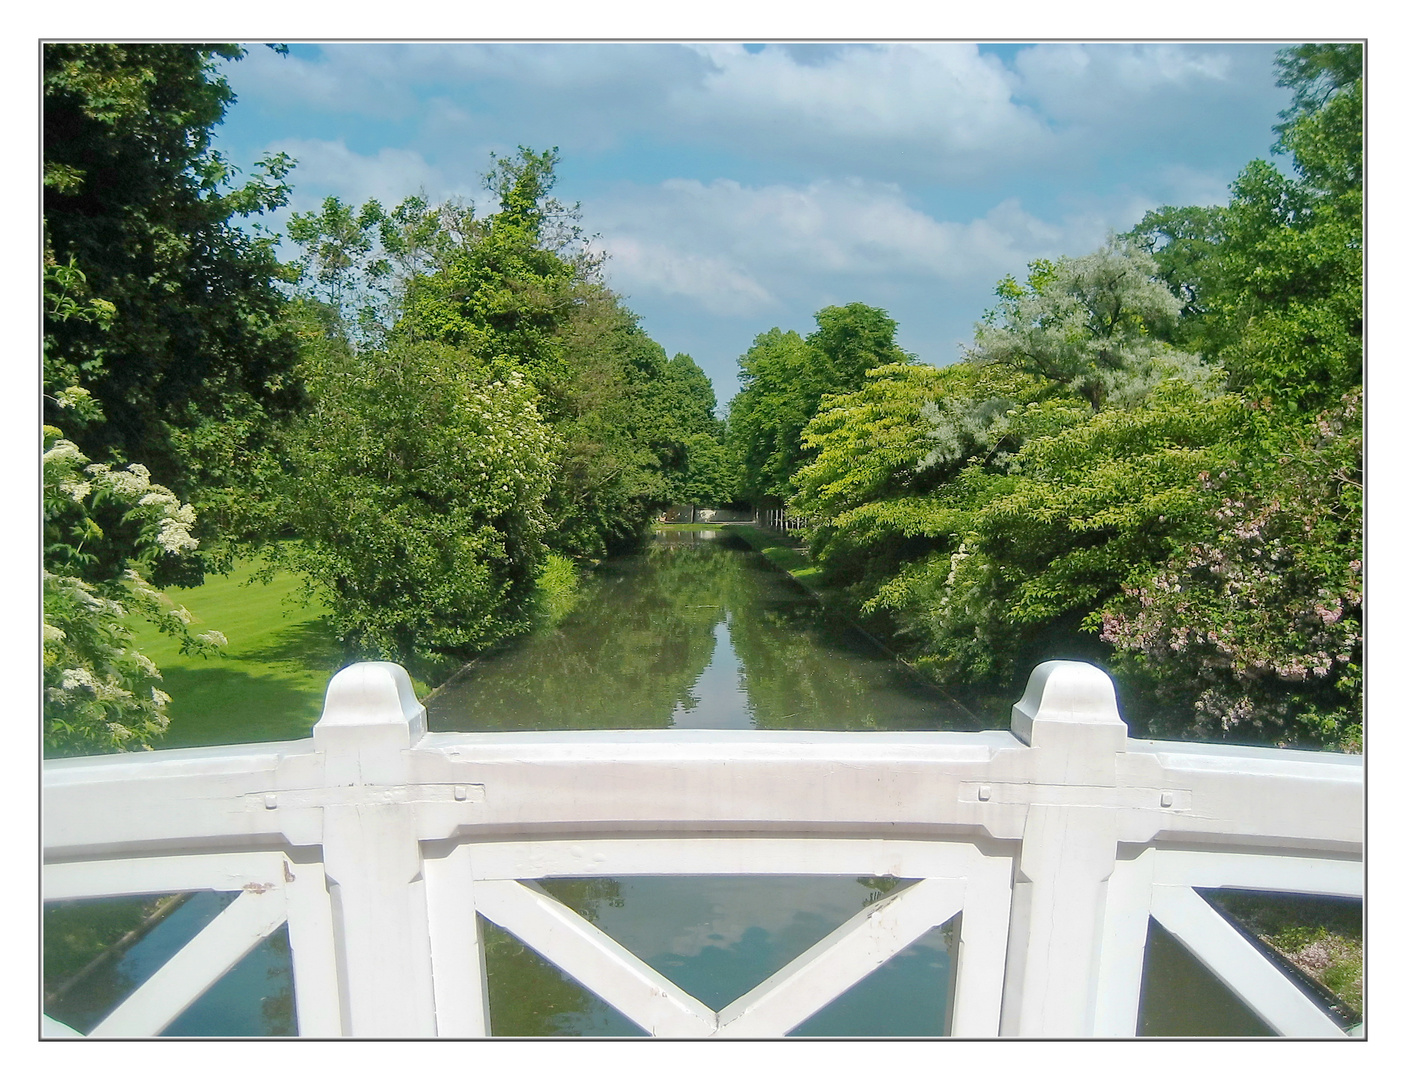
[
  {"x": 1085, "y": 324},
  {"x": 784, "y": 379},
  {"x": 1254, "y": 626},
  {"x": 515, "y": 294},
  {"x": 419, "y": 498},
  {"x": 137, "y": 201},
  {"x": 105, "y": 530}
]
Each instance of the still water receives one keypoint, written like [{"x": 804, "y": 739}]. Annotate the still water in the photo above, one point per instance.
[{"x": 696, "y": 631}]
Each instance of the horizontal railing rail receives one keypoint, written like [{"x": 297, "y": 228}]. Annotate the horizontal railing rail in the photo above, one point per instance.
[{"x": 379, "y": 844}]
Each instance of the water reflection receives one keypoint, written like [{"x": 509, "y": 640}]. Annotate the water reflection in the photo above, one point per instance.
[
  {"x": 695, "y": 632},
  {"x": 716, "y": 938},
  {"x": 718, "y": 698}
]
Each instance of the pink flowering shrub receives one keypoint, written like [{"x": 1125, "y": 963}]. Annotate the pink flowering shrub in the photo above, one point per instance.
[{"x": 1255, "y": 630}]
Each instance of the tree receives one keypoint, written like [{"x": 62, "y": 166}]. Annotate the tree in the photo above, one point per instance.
[
  {"x": 1183, "y": 241},
  {"x": 335, "y": 270},
  {"x": 621, "y": 445},
  {"x": 980, "y": 517},
  {"x": 100, "y": 693},
  {"x": 783, "y": 381},
  {"x": 196, "y": 357},
  {"x": 702, "y": 471},
  {"x": 418, "y": 501},
  {"x": 1113, "y": 486},
  {"x": 518, "y": 291},
  {"x": 107, "y": 534},
  {"x": 507, "y": 290},
  {"x": 1255, "y": 629},
  {"x": 766, "y": 418},
  {"x": 1278, "y": 272},
  {"x": 1085, "y": 323}
]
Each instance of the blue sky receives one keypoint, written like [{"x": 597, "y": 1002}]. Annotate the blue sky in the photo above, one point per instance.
[{"x": 737, "y": 187}]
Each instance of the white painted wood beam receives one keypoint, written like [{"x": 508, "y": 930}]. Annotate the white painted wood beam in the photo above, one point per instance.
[
  {"x": 981, "y": 950},
  {"x": 197, "y": 966},
  {"x": 608, "y": 857},
  {"x": 225, "y": 872},
  {"x": 1059, "y": 903},
  {"x": 1270, "y": 993},
  {"x": 1343, "y": 877},
  {"x": 316, "y": 993},
  {"x": 1119, "y": 992},
  {"x": 835, "y": 963},
  {"x": 456, "y": 947},
  {"x": 593, "y": 959}
]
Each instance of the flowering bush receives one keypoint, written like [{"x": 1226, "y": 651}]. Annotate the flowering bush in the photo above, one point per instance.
[
  {"x": 1256, "y": 630},
  {"x": 101, "y": 527},
  {"x": 418, "y": 498}
]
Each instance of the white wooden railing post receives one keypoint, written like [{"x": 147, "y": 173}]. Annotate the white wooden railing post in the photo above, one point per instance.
[
  {"x": 371, "y": 852},
  {"x": 1069, "y": 718}
]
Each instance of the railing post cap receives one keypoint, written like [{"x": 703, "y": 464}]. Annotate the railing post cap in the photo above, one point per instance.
[
  {"x": 1065, "y": 692},
  {"x": 373, "y": 694}
]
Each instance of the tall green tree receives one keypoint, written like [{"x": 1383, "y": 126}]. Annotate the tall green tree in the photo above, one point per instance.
[
  {"x": 1278, "y": 272},
  {"x": 784, "y": 379},
  {"x": 1256, "y": 625},
  {"x": 197, "y": 361},
  {"x": 519, "y": 291},
  {"x": 702, "y": 473},
  {"x": 417, "y": 497}
]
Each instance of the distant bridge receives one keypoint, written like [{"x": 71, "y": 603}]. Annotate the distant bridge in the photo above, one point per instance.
[{"x": 1052, "y": 844}]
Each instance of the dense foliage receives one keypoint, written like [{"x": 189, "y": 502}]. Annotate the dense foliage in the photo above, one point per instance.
[
  {"x": 107, "y": 534},
  {"x": 196, "y": 362},
  {"x": 417, "y": 499},
  {"x": 519, "y": 291},
  {"x": 103, "y": 528},
  {"x": 784, "y": 378},
  {"x": 531, "y": 413},
  {"x": 1151, "y": 457}
]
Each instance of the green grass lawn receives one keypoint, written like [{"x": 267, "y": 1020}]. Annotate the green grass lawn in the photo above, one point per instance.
[
  {"x": 267, "y": 684},
  {"x": 784, "y": 555}
]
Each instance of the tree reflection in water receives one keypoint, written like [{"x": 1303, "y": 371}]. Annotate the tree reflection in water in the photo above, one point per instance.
[{"x": 697, "y": 631}]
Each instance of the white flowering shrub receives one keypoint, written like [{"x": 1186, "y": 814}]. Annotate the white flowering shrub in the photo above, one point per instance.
[
  {"x": 418, "y": 500},
  {"x": 1087, "y": 324},
  {"x": 100, "y": 527}
]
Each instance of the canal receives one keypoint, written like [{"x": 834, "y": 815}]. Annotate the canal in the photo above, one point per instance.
[
  {"x": 698, "y": 631},
  {"x": 695, "y": 631}
]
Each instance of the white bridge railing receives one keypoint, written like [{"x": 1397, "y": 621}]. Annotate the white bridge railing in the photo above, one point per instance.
[{"x": 379, "y": 844}]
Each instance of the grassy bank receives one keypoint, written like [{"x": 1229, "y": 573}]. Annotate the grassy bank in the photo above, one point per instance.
[
  {"x": 780, "y": 550},
  {"x": 269, "y": 681}
]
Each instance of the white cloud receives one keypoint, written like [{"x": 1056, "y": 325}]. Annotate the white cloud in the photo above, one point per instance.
[
  {"x": 328, "y": 167},
  {"x": 939, "y": 112},
  {"x": 942, "y": 110},
  {"x": 731, "y": 246},
  {"x": 366, "y": 80},
  {"x": 1143, "y": 95},
  {"x": 719, "y": 285}
]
